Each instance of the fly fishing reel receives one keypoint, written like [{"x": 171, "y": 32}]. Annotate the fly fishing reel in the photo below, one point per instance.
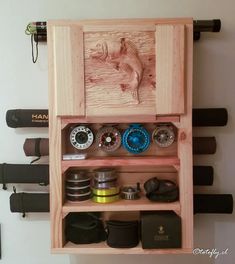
[
  {"x": 81, "y": 137},
  {"x": 131, "y": 192},
  {"x": 136, "y": 139},
  {"x": 164, "y": 136},
  {"x": 108, "y": 138}
]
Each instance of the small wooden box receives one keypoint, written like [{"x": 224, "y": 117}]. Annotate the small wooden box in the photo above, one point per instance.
[{"x": 161, "y": 229}]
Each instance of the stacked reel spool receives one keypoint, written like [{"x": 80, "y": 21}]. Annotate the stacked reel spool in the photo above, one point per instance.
[
  {"x": 105, "y": 186},
  {"x": 78, "y": 186}
]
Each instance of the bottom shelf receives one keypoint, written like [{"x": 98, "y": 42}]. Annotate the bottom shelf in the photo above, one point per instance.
[{"x": 103, "y": 248}]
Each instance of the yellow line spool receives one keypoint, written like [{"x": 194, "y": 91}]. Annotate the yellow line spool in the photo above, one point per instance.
[
  {"x": 105, "y": 191},
  {"x": 105, "y": 199}
]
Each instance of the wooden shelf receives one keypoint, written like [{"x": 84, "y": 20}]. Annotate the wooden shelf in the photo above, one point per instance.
[
  {"x": 122, "y": 161},
  {"x": 103, "y": 248},
  {"x": 86, "y": 90},
  {"x": 134, "y": 119},
  {"x": 142, "y": 204}
]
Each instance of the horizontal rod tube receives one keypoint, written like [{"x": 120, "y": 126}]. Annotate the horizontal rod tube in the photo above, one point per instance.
[
  {"x": 39, "y": 173},
  {"x": 202, "y": 117},
  {"x": 203, "y": 203},
  {"x": 24, "y": 173},
  {"x": 213, "y": 25}
]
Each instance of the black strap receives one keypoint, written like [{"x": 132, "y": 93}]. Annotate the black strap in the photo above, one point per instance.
[
  {"x": 37, "y": 147},
  {"x": 22, "y": 203},
  {"x": 37, "y": 150}
]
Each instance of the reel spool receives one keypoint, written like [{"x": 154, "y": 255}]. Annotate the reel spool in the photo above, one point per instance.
[
  {"x": 77, "y": 186},
  {"x": 105, "y": 199},
  {"x": 78, "y": 179},
  {"x": 78, "y": 197},
  {"x": 106, "y": 191},
  {"x": 136, "y": 139},
  {"x": 108, "y": 138},
  {"x": 103, "y": 175},
  {"x": 164, "y": 136},
  {"x": 104, "y": 185},
  {"x": 81, "y": 137}
]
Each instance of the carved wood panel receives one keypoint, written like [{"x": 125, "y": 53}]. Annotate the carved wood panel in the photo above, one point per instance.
[{"x": 119, "y": 73}]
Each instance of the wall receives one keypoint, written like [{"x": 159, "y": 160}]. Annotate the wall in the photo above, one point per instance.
[{"x": 24, "y": 85}]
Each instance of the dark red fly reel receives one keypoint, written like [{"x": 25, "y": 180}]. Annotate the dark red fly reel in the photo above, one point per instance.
[{"x": 108, "y": 138}]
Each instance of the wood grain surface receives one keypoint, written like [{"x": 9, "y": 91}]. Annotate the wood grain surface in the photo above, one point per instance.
[{"x": 110, "y": 74}]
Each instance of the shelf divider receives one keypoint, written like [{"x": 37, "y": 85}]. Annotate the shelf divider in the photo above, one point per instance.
[
  {"x": 122, "y": 161},
  {"x": 103, "y": 248},
  {"x": 142, "y": 204}
]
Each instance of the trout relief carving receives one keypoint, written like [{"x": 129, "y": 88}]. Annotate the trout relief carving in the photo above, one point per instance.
[{"x": 123, "y": 56}]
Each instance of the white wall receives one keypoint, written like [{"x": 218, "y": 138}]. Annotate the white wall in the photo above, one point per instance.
[{"x": 24, "y": 85}]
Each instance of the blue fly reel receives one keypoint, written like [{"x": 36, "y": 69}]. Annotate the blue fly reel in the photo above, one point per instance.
[{"x": 136, "y": 139}]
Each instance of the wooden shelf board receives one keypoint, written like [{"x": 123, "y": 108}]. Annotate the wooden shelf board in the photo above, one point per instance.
[
  {"x": 120, "y": 119},
  {"x": 103, "y": 248},
  {"x": 142, "y": 204},
  {"x": 122, "y": 161}
]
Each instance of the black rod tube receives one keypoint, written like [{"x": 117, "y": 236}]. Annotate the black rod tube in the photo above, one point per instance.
[
  {"x": 203, "y": 203},
  {"x": 196, "y": 36},
  {"x": 24, "y": 173},
  {"x": 202, "y": 117},
  {"x": 27, "y": 118},
  {"x": 213, "y": 203},
  {"x": 34, "y": 147},
  {"x": 39, "y": 174},
  {"x": 43, "y": 37},
  {"x": 213, "y": 25},
  {"x": 203, "y": 175},
  {"x": 204, "y": 145},
  {"x": 29, "y": 202}
]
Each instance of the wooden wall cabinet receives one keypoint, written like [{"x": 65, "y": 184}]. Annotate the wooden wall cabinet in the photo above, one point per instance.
[{"x": 121, "y": 71}]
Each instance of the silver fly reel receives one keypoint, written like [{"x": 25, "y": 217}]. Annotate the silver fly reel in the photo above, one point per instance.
[
  {"x": 81, "y": 137},
  {"x": 164, "y": 136},
  {"x": 108, "y": 138},
  {"x": 131, "y": 192}
]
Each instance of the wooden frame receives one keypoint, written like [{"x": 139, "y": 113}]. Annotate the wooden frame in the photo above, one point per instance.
[{"x": 68, "y": 105}]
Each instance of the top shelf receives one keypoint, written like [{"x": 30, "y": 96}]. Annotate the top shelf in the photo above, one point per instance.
[
  {"x": 122, "y": 161},
  {"x": 121, "y": 119}
]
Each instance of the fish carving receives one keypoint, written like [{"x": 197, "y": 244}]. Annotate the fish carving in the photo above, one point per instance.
[{"x": 123, "y": 56}]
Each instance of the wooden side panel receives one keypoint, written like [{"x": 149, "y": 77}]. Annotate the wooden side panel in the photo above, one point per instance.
[
  {"x": 67, "y": 49},
  {"x": 55, "y": 154},
  {"x": 170, "y": 49},
  {"x": 185, "y": 151}
]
